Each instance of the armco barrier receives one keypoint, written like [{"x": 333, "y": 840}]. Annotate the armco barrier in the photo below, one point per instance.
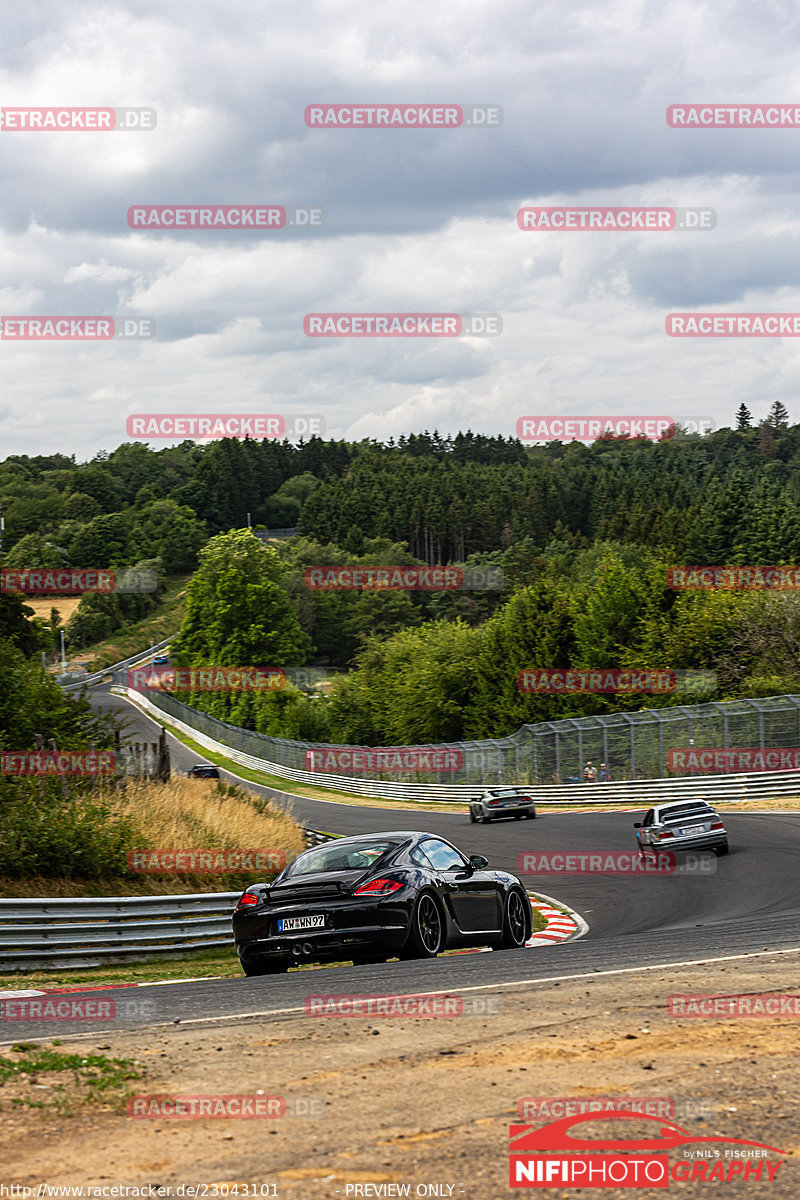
[
  {"x": 52, "y": 934},
  {"x": 636, "y": 793},
  {"x": 134, "y": 660}
]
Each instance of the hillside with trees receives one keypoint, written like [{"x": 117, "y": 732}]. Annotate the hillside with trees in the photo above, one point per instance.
[{"x": 582, "y": 534}]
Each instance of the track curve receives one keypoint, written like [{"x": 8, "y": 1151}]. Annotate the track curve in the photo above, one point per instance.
[{"x": 750, "y": 905}]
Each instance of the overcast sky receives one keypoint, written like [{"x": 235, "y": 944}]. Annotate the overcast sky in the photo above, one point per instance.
[{"x": 416, "y": 220}]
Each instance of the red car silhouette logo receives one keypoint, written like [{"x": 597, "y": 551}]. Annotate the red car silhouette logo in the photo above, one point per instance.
[{"x": 557, "y": 1136}]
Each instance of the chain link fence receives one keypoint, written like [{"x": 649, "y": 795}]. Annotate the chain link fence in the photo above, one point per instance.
[{"x": 634, "y": 745}]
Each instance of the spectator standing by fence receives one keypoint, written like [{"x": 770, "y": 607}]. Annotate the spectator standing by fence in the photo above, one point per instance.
[{"x": 589, "y": 773}]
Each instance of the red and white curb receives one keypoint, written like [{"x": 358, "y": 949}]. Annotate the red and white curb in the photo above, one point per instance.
[{"x": 562, "y": 923}]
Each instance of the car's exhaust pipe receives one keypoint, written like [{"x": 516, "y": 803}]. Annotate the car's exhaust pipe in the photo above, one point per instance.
[
  {"x": 296, "y": 951},
  {"x": 306, "y": 947}
]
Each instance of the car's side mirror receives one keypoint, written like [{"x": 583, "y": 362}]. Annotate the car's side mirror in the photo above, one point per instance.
[
  {"x": 637, "y": 824},
  {"x": 478, "y": 862}
]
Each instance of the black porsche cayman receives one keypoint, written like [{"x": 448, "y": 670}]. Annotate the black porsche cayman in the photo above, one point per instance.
[{"x": 378, "y": 896}]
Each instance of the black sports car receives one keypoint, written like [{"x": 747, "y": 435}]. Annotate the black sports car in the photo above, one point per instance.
[
  {"x": 378, "y": 896},
  {"x": 203, "y": 771}
]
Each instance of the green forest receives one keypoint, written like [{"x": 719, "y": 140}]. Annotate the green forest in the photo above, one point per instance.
[{"x": 583, "y": 536}]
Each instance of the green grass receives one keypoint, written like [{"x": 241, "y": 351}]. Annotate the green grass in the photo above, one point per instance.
[
  {"x": 77, "y": 1079},
  {"x": 308, "y": 791},
  {"x": 163, "y": 622},
  {"x": 221, "y": 961}
]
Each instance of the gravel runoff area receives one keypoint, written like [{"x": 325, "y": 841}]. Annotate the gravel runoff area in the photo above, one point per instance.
[{"x": 401, "y": 1100}]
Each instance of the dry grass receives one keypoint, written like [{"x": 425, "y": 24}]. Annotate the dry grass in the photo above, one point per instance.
[
  {"x": 197, "y": 813},
  {"x": 184, "y": 814}
]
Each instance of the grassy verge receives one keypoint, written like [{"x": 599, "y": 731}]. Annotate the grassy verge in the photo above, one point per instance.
[
  {"x": 179, "y": 816},
  {"x": 159, "y": 624},
  {"x": 307, "y": 791},
  {"x": 35, "y": 1076}
]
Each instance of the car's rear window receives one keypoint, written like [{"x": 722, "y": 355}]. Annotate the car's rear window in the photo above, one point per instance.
[
  {"x": 355, "y": 856},
  {"x": 686, "y": 810}
]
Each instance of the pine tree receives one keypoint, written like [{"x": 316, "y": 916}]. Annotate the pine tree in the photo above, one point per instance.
[
  {"x": 743, "y": 417},
  {"x": 778, "y": 416}
]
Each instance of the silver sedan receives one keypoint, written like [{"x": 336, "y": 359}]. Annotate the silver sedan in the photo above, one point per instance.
[{"x": 682, "y": 825}]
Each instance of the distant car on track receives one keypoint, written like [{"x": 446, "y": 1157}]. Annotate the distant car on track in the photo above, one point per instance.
[
  {"x": 682, "y": 825},
  {"x": 203, "y": 771},
  {"x": 161, "y": 660},
  {"x": 378, "y": 896},
  {"x": 502, "y": 802}
]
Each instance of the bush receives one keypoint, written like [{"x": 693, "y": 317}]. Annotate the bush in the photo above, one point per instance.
[{"x": 61, "y": 837}]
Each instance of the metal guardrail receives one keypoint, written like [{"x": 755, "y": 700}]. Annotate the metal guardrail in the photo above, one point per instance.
[
  {"x": 88, "y": 680},
  {"x": 639, "y": 793},
  {"x": 52, "y": 934}
]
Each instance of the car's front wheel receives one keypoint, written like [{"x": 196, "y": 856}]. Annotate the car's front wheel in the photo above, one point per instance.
[
  {"x": 426, "y": 938},
  {"x": 515, "y": 921},
  {"x": 265, "y": 966}
]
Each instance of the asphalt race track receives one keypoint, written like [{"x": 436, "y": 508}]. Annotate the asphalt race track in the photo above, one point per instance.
[{"x": 750, "y": 904}]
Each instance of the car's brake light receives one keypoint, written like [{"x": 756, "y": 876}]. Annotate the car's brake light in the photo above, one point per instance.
[
  {"x": 494, "y": 802},
  {"x": 378, "y": 887},
  {"x": 667, "y": 833},
  {"x": 717, "y": 825},
  {"x": 247, "y": 900}
]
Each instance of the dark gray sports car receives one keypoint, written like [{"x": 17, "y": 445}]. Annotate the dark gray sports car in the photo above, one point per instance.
[{"x": 378, "y": 896}]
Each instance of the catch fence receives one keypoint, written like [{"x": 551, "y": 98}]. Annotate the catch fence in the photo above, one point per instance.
[{"x": 634, "y": 745}]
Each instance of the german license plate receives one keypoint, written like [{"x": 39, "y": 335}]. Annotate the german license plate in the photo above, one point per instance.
[
  {"x": 286, "y": 924},
  {"x": 692, "y": 829}
]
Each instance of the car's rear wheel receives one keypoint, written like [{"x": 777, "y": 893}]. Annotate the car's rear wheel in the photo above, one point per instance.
[
  {"x": 426, "y": 938},
  {"x": 517, "y": 816},
  {"x": 481, "y": 817},
  {"x": 530, "y": 816},
  {"x": 515, "y": 921},
  {"x": 265, "y": 966},
  {"x": 472, "y": 816},
  {"x": 723, "y": 847}
]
